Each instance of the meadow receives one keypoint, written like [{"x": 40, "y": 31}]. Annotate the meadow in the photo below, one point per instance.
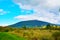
[
  {"x": 35, "y": 33},
  {"x": 8, "y": 36}
]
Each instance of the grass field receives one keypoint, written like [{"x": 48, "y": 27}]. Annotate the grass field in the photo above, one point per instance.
[
  {"x": 36, "y": 33},
  {"x": 8, "y": 36}
]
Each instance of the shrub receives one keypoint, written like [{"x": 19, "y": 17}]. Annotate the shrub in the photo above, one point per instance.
[{"x": 56, "y": 35}]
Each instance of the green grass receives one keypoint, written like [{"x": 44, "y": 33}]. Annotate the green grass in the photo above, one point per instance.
[{"x": 8, "y": 36}]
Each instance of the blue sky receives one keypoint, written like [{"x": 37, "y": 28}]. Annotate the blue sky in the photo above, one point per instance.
[
  {"x": 13, "y": 11},
  {"x": 8, "y": 10}
]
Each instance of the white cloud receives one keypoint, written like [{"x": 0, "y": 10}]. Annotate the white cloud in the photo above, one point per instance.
[
  {"x": 44, "y": 10},
  {"x": 25, "y": 17},
  {"x": 36, "y": 17},
  {"x": 53, "y": 3},
  {"x": 37, "y": 3},
  {"x": 2, "y": 12},
  {"x": 4, "y": 25}
]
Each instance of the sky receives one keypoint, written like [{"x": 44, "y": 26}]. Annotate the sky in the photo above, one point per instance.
[{"x": 13, "y": 11}]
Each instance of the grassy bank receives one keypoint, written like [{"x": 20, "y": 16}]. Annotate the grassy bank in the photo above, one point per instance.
[{"x": 8, "y": 36}]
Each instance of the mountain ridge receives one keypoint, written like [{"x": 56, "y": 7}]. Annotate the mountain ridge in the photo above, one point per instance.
[{"x": 30, "y": 23}]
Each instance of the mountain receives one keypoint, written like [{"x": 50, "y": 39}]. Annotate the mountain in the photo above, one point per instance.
[{"x": 30, "y": 23}]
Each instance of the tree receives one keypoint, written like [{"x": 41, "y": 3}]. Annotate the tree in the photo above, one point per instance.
[
  {"x": 49, "y": 26},
  {"x": 24, "y": 27}
]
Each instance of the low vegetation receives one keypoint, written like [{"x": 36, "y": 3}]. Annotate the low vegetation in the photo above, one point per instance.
[
  {"x": 8, "y": 36},
  {"x": 46, "y": 32}
]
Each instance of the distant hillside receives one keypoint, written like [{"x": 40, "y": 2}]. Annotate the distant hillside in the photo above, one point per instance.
[{"x": 30, "y": 23}]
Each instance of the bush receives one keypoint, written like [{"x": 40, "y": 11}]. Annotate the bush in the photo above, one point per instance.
[{"x": 56, "y": 35}]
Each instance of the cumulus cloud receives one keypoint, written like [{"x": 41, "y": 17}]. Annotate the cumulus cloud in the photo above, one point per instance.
[
  {"x": 45, "y": 10},
  {"x": 36, "y": 17},
  {"x": 2, "y": 12}
]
